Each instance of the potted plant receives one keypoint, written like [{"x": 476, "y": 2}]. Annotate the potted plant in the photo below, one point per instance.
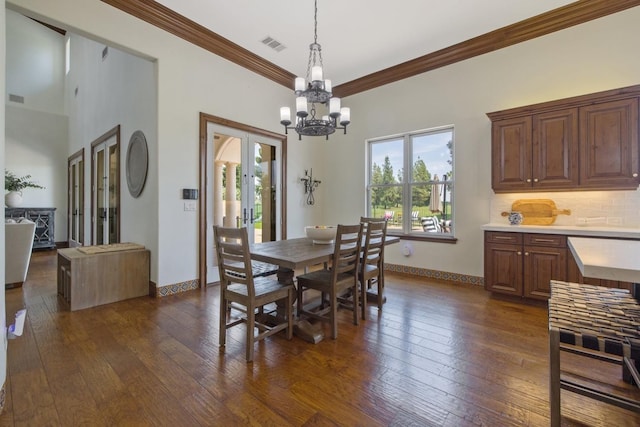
[{"x": 14, "y": 185}]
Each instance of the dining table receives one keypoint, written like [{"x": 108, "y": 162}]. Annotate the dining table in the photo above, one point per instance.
[{"x": 298, "y": 254}]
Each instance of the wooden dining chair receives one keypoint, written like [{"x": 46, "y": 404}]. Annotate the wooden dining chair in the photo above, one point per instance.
[
  {"x": 239, "y": 285},
  {"x": 372, "y": 262},
  {"x": 334, "y": 281}
]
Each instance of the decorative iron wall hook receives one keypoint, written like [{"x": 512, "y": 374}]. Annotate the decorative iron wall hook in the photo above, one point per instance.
[{"x": 310, "y": 186}]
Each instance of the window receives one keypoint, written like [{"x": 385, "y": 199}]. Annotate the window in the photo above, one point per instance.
[{"x": 410, "y": 182}]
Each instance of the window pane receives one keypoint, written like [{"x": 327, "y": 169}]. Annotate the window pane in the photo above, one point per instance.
[
  {"x": 432, "y": 156},
  {"x": 432, "y": 207},
  {"x": 387, "y": 202},
  {"x": 386, "y": 161}
]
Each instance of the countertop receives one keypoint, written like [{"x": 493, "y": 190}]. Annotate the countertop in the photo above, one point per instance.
[
  {"x": 570, "y": 230},
  {"x": 610, "y": 259}
]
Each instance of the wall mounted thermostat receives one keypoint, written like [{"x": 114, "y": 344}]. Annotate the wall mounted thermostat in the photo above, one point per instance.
[{"x": 189, "y": 194}]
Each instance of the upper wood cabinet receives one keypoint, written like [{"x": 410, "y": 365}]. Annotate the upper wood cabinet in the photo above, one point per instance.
[
  {"x": 582, "y": 143},
  {"x": 609, "y": 149}
]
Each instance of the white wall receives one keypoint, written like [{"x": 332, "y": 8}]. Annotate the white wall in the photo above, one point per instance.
[
  {"x": 592, "y": 57},
  {"x": 3, "y": 321},
  {"x": 36, "y": 145},
  {"x": 101, "y": 94},
  {"x": 190, "y": 80},
  {"x": 36, "y": 130},
  {"x": 35, "y": 64}
]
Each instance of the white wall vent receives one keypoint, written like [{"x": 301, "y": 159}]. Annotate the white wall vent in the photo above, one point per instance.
[
  {"x": 273, "y": 44},
  {"x": 16, "y": 98}
]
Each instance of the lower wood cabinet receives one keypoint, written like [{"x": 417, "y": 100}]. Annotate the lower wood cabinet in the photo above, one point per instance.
[{"x": 523, "y": 264}]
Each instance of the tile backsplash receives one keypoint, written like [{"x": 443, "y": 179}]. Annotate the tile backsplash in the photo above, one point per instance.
[{"x": 588, "y": 208}]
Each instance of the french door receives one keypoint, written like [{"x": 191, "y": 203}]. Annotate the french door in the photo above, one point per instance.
[
  {"x": 75, "y": 196},
  {"x": 105, "y": 186},
  {"x": 243, "y": 184}
]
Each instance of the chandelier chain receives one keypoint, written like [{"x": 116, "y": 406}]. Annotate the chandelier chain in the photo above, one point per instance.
[
  {"x": 315, "y": 55},
  {"x": 315, "y": 22}
]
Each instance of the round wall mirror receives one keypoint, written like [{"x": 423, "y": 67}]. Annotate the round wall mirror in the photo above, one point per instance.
[{"x": 137, "y": 163}]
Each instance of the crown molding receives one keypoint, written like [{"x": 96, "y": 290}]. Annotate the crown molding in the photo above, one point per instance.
[
  {"x": 537, "y": 26},
  {"x": 166, "y": 19},
  {"x": 555, "y": 20}
]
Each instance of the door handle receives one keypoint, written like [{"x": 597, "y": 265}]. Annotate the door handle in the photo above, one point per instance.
[
  {"x": 251, "y": 217},
  {"x": 244, "y": 216}
]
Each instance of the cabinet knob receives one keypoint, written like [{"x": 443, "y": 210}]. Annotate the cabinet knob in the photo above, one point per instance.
[
  {"x": 519, "y": 253},
  {"x": 528, "y": 179},
  {"x": 635, "y": 175},
  {"x": 526, "y": 254},
  {"x": 535, "y": 179}
]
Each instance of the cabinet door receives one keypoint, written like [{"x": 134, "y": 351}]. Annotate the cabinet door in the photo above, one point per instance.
[
  {"x": 609, "y": 145},
  {"x": 511, "y": 154},
  {"x": 541, "y": 265},
  {"x": 503, "y": 268},
  {"x": 555, "y": 149}
]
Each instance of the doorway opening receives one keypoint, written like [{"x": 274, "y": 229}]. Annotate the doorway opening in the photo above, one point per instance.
[
  {"x": 242, "y": 183},
  {"x": 105, "y": 188}
]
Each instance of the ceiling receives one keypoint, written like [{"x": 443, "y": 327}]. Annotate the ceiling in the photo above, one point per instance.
[
  {"x": 365, "y": 43},
  {"x": 358, "y": 37}
]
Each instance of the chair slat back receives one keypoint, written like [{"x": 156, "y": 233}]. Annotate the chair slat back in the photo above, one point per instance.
[
  {"x": 373, "y": 249},
  {"x": 234, "y": 261},
  {"x": 346, "y": 255}
]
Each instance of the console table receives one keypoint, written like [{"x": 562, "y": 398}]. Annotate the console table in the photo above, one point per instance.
[
  {"x": 44, "y": 218},
  {"x": 95, "y": 275}
]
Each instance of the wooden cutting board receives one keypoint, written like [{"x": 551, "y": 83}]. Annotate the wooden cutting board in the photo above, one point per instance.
[{"x": 537, "y": 211}]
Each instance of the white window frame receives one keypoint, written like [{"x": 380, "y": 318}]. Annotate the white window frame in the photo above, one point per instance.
[{"x": 407, "y": 183}]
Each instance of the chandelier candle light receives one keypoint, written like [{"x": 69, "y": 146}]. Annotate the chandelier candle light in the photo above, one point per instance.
[{"x": 316, "y": 91}]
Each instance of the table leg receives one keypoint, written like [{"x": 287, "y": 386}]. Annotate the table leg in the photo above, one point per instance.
[{"x": 302, "y": 328}]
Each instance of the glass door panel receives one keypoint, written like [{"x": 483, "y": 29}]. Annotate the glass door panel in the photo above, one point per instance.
[
  {"x": 76, "y": 200},
  {"x": 113, "y": 194},
  {"x": 245, "y": 186},
  {"x": 101, "y": 214},
  {"x": 106, "y": 188}
]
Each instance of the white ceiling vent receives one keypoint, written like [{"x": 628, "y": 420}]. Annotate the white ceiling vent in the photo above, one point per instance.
[
  {"x": 16, "y": 98},
  {"x": 273, "y": 44}
]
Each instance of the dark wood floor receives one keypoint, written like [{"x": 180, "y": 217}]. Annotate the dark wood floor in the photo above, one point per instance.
[{"x": 438, "y": 355}]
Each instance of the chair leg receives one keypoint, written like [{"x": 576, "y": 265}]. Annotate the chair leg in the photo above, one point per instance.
[
  {"x": 333, "y": 314},
  {"x": 251, "y": 315},
  {"x": 363, "y": 296},
  {"x": 380, "y": 290},
  {"x": 554, "y": 377},
  {"x": 223, "y": 320},
  {"x": 356, "y": 299}
]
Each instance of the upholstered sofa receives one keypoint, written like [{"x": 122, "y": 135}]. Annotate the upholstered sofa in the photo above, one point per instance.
[{"x": 18, "y": 243}]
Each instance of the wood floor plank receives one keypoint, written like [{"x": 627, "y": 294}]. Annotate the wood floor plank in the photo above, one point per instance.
[{"x": 436, "y": 355}]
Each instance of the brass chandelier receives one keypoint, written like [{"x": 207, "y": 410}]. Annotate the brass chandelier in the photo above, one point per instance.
[{"x": 315, "y": 90}]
